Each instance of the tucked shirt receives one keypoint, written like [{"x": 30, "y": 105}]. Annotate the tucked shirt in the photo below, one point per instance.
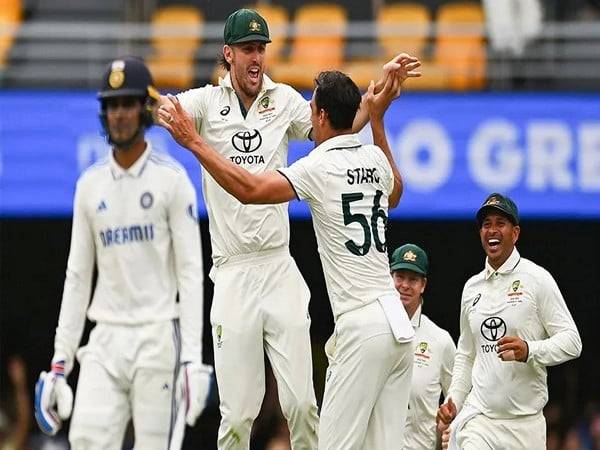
[
  {"x": 257, "y": 142},
  {"x": 139, "y": 226},
  {"x": 347, "y": 186},
  {"x": 519, "y": 299}
]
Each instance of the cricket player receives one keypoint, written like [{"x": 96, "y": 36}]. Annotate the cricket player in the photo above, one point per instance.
[
  {"x": 135, "y": 219},
  {"x": 434, "y": 349},
  {"x": 260, "y": 301},
  {"x": 513, "y": 324},
  {"x": 349, "y": 187}
]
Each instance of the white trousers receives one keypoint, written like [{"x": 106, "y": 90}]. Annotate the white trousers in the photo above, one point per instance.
[
  {"x": 261, "y": 305},
  {"x": 483, "y": 433},
  {"x": 367, "y": 384},
  {"x": 126, "y": 372}
]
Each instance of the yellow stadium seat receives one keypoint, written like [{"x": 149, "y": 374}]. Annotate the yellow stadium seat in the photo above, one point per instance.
[
  {"x": 401, "y": 27},
  {"x": 176, "y": 36},
  {"x": 11, "y": 16},
  {"x": 460, "y": 45},
  {"x": 318, "y": 44}
]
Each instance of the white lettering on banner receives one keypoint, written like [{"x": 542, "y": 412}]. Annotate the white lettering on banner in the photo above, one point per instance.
[
  {"x": 550, "y": 150},
  {"x": 495, "y": 161},
  {"x": 589, "y": 156},
  {"x": 426, "y": 174}
]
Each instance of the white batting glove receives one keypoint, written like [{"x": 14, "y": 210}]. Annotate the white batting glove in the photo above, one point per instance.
[
  {"x": 196, "y": 379},
  {"x": 53, "y": 399}
]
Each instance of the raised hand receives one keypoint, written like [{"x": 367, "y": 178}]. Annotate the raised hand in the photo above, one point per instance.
[{"x": 177, "y": 121}]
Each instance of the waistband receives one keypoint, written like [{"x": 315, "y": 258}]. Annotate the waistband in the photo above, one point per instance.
[{"x": 257, "y": 258}]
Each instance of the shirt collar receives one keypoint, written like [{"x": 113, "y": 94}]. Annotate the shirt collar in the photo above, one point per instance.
[
  {"x": 340, "y": 142},
  {"x": 416, "y": 318},
  {"x": 267, "y": 84},
  {"x": 135, "y": 170},
  {"x": 505, "y": 268}
]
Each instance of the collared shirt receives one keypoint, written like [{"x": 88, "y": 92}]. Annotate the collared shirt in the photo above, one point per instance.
[
  {"x": 258, "y": 142},
  {"x": 347, "y": 186},
  {"x": 519, "y": 299},
  {"x": 432, "y": 374},
  {"x": 139, "y": 226}
]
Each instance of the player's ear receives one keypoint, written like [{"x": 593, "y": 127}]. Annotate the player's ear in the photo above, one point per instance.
[
  {"x": 228, "y": 53},
  {"x": 323, "y": 117}
]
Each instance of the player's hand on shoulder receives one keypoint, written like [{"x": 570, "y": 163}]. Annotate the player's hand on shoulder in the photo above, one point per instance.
[
  {"x": 53, "y": 399},
  {"x": 197, "y": 379}
]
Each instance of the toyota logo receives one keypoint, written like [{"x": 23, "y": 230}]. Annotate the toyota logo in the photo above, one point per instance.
[
  {"x": 493, "y": 328},
  {"x": 247, "y": 141}
]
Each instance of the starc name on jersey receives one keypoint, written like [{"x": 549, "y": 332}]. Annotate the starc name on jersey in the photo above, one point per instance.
[{"x": 362, "y": 175}]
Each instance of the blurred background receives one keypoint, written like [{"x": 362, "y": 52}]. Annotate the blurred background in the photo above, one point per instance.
[{"x": 509, "y": 101}]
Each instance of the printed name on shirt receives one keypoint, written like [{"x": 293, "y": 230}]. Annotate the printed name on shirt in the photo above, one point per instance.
[
  {"x": 362, "y": 175},
  {"x": 127, "y": 234}
]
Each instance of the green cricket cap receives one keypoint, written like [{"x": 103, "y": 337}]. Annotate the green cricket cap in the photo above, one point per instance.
[
  {"x": 410, "y": 257},
  {"x": 245, "y": 25},
  {"x": 498, "y": 203}
]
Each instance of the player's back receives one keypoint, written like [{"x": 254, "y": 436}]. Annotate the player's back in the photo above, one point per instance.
[{"x": 347, "y": 185}]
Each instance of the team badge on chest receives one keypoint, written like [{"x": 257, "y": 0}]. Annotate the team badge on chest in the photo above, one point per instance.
[{"x": 146, "y": 200}]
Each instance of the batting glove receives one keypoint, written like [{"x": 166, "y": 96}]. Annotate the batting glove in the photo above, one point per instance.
[
  {"x": 53, "y": 399},
  {"x": 196, "y": 380}
]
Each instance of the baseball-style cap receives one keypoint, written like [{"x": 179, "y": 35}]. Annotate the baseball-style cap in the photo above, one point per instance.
[
  {"x": 127, "y": 76},
  {"x": 498, "y": 203},
  {"x": 245, "y": 25},
  {"x": 410, "y": 257}
]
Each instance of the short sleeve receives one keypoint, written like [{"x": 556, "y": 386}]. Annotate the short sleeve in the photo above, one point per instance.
[
  {"x": 300, "y": 124},
  {"x": 306, "y": 177},
  {"x": 194, "y": 102},
  {"x": 387, "y": 175}
]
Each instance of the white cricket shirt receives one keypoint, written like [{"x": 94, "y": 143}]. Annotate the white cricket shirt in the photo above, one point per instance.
[
  {"x": 258, "y": 142},
  {"x": 139, "y": 226},
  {"x": 347, "y": 186},
  {"x": 432, "y": 373},
  {"x": 519, "y": 299}
]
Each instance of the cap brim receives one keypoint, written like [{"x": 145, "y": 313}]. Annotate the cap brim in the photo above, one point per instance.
[
  {"x": 122, "y": 93},
  {"x": 251, "y": 38},
  {"x": 407, "y": 266},
  {"x": 484, "y": 210}
]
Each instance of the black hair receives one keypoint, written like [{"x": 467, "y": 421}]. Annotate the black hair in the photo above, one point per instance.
[{"x": 338, "y": 96}]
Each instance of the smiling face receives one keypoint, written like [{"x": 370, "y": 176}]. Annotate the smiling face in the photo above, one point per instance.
[
  {"x": 498, "y": 238},
  {"x": 123, "y": 115},
  {"x": 247, "y": 66},
  {"x": 410, "y": 285}
]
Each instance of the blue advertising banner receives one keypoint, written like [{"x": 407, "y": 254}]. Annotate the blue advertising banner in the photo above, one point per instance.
[{"x": 452, "y": 150}]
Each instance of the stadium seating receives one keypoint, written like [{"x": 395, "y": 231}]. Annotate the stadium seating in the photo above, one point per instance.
[
  {"x": 176, "y": 37},
  {"x": 317, "y": 44},
  {"x": 11, "y": 15},
  {"x": 401, "y": 27},
  {"x": 460, "y": 45}
]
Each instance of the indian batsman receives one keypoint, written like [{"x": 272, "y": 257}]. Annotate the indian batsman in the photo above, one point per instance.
[
  {"x": 513, "y": 324},
  {"x": 260, "y": 300},
  {"x": 134, "y": 217},
  {"x": 434, "y": 349},
  {"x": 349, "y": 187}
]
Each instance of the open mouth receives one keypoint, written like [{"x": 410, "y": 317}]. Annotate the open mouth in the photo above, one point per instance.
[
  {"x": 493, "y": 243},
  {"x": 254, "y": 74}
]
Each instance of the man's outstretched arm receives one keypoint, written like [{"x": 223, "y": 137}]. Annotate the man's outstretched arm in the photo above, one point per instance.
[{"x": 267, "y": 187}]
